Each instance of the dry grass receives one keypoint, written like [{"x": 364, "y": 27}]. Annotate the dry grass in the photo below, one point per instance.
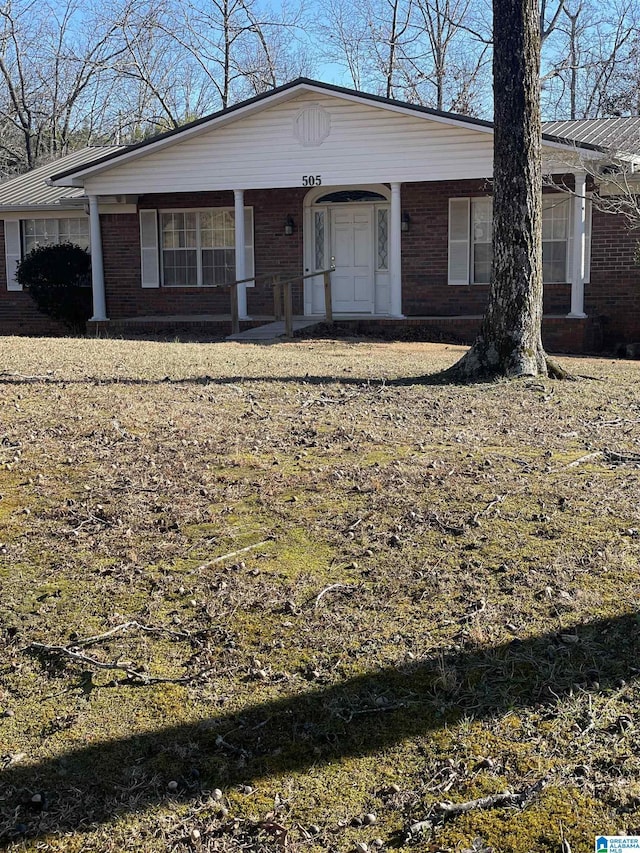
[{"x": 437, "y": 600}]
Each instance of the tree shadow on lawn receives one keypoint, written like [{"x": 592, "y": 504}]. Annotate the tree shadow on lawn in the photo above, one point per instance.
[
  {"x": 93, "y": 784},
  {"x": 442, "y": 377}
]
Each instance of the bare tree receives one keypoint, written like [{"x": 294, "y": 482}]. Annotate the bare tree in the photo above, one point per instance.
[
  {"x": 549, "y": 18},
  {"x": 275, "y": 55},
  {"x": 232, "y": 45},
  {"x": 446, "y": 68},
  {"x": 343, "y": 32},
  {"x": 591, "y": 60},
  {"x": 390, "y": 34},
  {"x": 72, "y": 72},
  {"x": 159, "y": 85},
  {"x": 429, "y": 52},
  {"x": 52, "y": 69}
]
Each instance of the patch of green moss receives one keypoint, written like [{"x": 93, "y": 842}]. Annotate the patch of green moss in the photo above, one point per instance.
[{"x": 540, "y": 826}]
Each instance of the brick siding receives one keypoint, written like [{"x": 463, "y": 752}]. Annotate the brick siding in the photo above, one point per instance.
[
  {"x": 18, "y": 312},
  {"x": 425, "y": 288},
  {"x": 613, "y": 294},
  {"x": 274, "y": 254},
  {"x": 612, "y": 298},
  {"x": 424, "y": 256}
]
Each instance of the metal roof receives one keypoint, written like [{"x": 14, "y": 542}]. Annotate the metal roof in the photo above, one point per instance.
[
  {"x": 32, "y": 189},
  {"x": 621, "y": 135}
]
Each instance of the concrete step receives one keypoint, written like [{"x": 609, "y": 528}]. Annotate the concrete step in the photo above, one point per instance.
[{"x": 272, "y": 331}]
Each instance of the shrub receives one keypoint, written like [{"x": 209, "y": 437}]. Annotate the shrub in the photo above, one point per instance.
[{"x": 58, "y": 279}]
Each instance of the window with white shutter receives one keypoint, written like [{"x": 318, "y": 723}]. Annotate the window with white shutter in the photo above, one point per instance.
[
  {"x": 470, "y": 239},
  {"x": 193, "y": 248},
  {"x": 458, "y": 241},
  {"x": 150, "y": 262},
  {"x": 12, "y": 249}
]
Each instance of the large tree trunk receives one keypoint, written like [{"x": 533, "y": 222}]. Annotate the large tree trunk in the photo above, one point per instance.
[{"x": 510, "y": 341}]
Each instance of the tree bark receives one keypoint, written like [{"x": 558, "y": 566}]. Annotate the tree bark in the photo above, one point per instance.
[{"x": 509, "y": 343}]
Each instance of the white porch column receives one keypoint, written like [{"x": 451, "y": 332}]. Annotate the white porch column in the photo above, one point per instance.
[
  {"x": 395, "y": 251},
  {"x": 579, "y": 246},
  {"x": 97, "y": 267},
  {"x": 241, "y": 270}
]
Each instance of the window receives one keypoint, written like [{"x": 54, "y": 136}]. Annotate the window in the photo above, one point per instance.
[
  {"x": 481, "y": 236},
  {"x": 180, "y": 248},
  {"x": 470, "y": 235},
  {"x": 318, "y": 230},
  {"x": 48, "y": 232},
  {"x": 350, "y": 195},
  {"x": 198, "y": 247},
  {"x": 555, "y": 238},
  {"x": 382, "y": 239}
]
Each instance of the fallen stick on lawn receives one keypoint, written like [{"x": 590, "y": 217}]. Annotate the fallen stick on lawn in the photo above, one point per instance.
[
  {"x": 588, "y": 457},
  {"x": 450, "y": 810},
  {"x": 132, "y": 674},
  {"x": 331, "y": 588},
  {"x": 149, "y": 629},
  {"x": 447, "y": 811},
  {"x": 230, "y": 555}
]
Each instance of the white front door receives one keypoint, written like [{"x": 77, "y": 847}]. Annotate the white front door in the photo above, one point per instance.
[{"x": 352, "y": 283}]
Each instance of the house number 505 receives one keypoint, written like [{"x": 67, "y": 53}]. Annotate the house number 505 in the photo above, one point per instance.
[{"x": 311, "y": 180}]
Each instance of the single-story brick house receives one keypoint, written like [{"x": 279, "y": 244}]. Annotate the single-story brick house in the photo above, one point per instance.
[{"x": 396, "y": 197}]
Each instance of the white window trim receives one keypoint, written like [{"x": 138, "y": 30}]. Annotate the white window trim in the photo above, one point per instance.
[
  {"x": 11, "y": 218},
  {"x": 149, "y": 248},
  {"x": 12, "y": 252},
  {"x": 249, "y": 244},
  {"x": 57, "y": 220},
  {"x": 461, "y": 260},
  {"x": 561, "y": 198},
  {"x": 568, "y": 241},
  {"x": 472, "y": 237}
]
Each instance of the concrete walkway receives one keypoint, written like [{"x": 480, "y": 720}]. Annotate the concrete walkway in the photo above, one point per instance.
[{"x": 272, "y": 331}]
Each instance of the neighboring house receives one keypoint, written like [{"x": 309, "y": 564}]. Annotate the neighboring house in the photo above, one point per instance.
[{"x": 308, "y": 175}]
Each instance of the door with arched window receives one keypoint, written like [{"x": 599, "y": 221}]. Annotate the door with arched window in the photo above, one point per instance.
[{"x": 348, "y": 228}]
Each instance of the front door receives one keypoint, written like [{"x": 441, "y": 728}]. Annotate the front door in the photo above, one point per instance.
[{"x": 352, "y": 283}]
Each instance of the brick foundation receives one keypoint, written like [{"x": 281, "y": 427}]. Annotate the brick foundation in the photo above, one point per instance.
[{"x": 559, "y": 334}]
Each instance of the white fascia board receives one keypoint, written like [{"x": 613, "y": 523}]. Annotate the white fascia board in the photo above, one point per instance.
[{"x": 575, "y": 148}]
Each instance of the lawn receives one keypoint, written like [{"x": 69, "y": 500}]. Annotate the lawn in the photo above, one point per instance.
[{"x": 298, "y": 597}]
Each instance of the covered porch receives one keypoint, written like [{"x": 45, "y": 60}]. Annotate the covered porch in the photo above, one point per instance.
[{"x": 395, "y": 251}]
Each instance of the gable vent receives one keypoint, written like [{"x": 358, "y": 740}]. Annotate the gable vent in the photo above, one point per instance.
[{"x": 312, "y": 125}]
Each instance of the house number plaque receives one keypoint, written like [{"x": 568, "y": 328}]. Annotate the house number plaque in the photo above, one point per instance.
[{"x": 311, "y": 180}]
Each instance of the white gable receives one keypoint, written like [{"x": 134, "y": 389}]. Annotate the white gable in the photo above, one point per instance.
[{"x": 340, "y": 139}]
